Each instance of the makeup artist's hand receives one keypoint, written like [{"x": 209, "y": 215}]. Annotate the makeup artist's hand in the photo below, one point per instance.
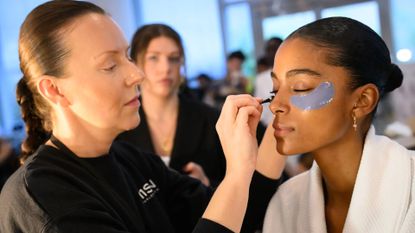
[
  {"x": 236, "y": 127},
  {"x": 196, "y": 171}
]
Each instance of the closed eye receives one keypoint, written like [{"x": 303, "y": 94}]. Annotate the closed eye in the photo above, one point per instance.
[
  {"x": 111, "y": 68},
  {"x": 303, "y": 90},
  {"x": 129, "y": 58},
  {"x": 273, "y": 93}
]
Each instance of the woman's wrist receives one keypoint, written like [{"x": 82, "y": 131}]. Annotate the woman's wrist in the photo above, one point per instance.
[{"x": 241, "y": 176}]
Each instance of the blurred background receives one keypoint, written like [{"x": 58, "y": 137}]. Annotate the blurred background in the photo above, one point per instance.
[{"x": 212, "y": 29}]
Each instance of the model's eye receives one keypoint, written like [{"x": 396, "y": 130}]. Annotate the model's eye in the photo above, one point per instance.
[
  {"x": 303, "y": 90},
  {"x": 273, "y": 93},
  {"x": 302, "y": 87}
]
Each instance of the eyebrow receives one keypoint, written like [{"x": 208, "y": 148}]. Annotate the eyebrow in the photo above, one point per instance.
[
  {"x": 295, "y": 72},
  {"x": 158, "y": 52},
  {"x": 112, "y": 52},
  {"x": 309, "y": 72}
]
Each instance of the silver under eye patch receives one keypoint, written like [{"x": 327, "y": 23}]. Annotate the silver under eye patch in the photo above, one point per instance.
[{"x": 316, "y": 99}]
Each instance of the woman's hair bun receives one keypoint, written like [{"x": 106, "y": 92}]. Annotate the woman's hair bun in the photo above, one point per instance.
[{"x": 395, "y": 78}]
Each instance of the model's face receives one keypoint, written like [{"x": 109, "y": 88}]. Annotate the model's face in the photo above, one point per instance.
[
  {"x": 162, "y": 62},
  {"x": 101, "y": 83},
  {"x": 312, "y": 105}
]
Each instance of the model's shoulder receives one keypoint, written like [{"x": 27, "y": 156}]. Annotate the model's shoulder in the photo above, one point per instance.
[{"x": 386, "y": 144}]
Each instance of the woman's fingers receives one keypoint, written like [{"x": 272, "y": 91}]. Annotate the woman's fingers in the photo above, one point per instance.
[
  {"x": 248, "y": 116},
  {"x": 233, "y": 103},
  {"x": 196, "y": 171}
]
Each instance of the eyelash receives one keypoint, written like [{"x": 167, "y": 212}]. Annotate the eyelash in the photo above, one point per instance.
[
  {"x": 109, "y": 69},
  {"x": 173, "y": 60},
  {"x": 303, "y": 90},
  {"x": 112, "y": 67},
  {"x": 273, "y": 93}
]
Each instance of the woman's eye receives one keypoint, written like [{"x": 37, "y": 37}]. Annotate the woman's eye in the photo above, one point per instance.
[
  {"x": 152, "y": 58},
  {"x": 273, "y": 93},
  {"x": 109, "y": 69},
  {"x": 303, "y": 90},
  {"x": 175, "y": 60}
]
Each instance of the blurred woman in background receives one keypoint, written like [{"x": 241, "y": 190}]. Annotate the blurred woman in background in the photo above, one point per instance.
[{"x": 180, "y": 130}]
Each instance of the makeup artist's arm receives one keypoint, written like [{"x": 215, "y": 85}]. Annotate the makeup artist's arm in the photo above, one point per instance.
[
  {"x": 237, "y": 131},
  {"x": 269, "y": 162}
]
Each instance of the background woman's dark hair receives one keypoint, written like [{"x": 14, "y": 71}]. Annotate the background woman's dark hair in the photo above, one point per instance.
[
  {"x": 143, "y": 36},
  {"x": 356, "y": 47},
  {"x": 42, "y": 52}
]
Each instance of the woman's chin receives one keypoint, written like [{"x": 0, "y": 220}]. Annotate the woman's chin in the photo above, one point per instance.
[
  {"x": 286, "y": 150},
  {"x": 133, "y": 124}
]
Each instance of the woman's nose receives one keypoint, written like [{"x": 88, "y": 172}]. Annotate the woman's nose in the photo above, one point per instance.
[
  {"x": 164, "y": 65},
  {"x": 135, "y": 75},
  {"x": 279, "y": 105}
]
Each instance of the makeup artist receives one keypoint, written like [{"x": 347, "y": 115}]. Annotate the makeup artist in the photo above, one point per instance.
[{"x": 77, "y": 93}]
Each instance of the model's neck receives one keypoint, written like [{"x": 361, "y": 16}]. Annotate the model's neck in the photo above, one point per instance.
[
  {"x": 159, "y": 108},
  {"x": 339, "y": 164}
]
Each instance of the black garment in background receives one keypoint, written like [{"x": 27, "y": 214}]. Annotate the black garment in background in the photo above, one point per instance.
[
  {"x": 124, "y": 191},
  {"x": 195, "y": 140},
  {"x": 8, "y": 166}
]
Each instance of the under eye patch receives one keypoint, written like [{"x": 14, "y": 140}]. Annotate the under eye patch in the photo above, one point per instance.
[{"x": 316, "y": 99}]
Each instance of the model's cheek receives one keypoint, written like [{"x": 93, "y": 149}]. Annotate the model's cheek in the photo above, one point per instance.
[{"x": 318, "y": 98}]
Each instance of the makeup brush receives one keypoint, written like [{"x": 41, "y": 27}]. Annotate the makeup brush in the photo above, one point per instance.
[{"x": 267, "y": 100}]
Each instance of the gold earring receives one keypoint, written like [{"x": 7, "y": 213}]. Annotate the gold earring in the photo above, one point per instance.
[
  {"x": 354, "y": 122},
  {"x": 354, "y": 118}
]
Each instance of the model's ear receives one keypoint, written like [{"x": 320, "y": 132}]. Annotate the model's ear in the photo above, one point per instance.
[
  {"x": 48, "y": 88},
  {"x": 367, "y": 97}
]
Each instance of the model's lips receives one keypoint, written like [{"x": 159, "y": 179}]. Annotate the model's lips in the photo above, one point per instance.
[
  {"x": 282, "y": 130},
  {"x": 135, "y": 102}
]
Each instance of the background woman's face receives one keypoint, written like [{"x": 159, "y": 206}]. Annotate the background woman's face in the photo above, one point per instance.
[
  {"x": 162, "y": 62},
  {"x": 101, "y": 81},
  {"x": 313, "y": 104}
]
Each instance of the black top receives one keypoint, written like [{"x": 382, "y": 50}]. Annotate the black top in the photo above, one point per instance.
[
  {"x": 8, "y": 166},
  {"x": 124, "y": 191},
  {"x": 195, "y": 140}
]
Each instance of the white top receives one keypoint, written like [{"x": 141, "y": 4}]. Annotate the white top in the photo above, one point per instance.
[
  {"x": 382, "y": 199},
  {"x": 165, "y": 159}
]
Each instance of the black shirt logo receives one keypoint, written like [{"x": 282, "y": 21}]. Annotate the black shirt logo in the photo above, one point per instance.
[{"x": 148, "y": 191}]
